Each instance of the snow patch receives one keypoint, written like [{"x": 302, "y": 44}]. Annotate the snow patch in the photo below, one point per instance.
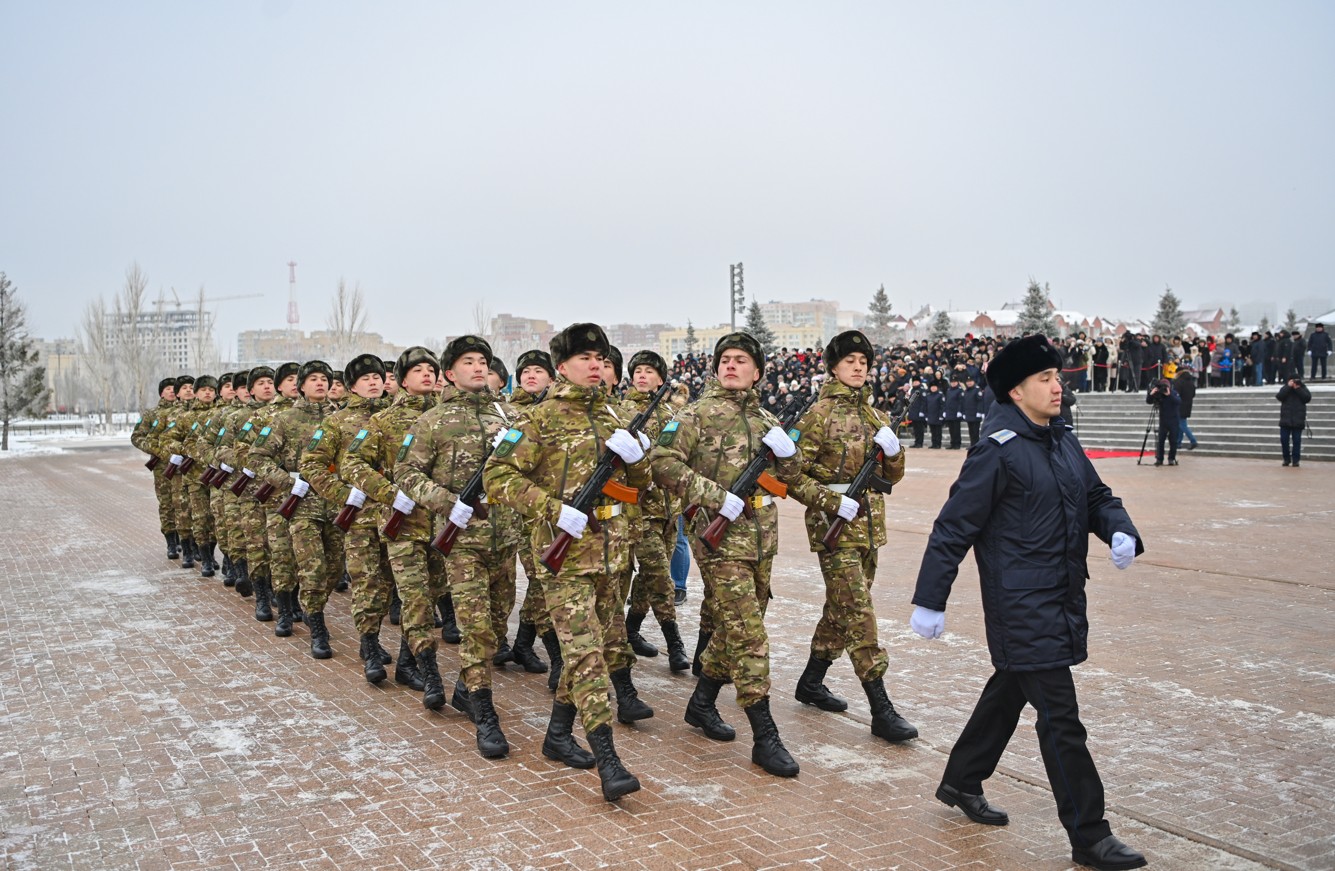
[
  {"x": 854, "y": 765},
  {"x": 228, "y": 738},
  {"x": 117, "y": 584},
  {"x": 704, "y": 793}
]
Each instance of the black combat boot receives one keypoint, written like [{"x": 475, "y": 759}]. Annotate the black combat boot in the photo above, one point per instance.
[
  {"x": 395, "y": 606},
  {"x": 504, "y": 652},
  {"x": 370, "y": 654},
  {"x": 701, "y": 642},
  {"x": 433, "y": 689},
  {"x": 811, "y": 689},
  {"x": 244, "y": 585},
  {"x": 702, "y": 710},
  {"x": 677, "y": 660},
  {"x": 319, "y": 635},
  {"x": 449, "y": 629},
  {"x": 298, "y": 616},
  {"x": 617, "y": 781},
  {"x": 343, "y": 583},
  {"x": 629, "y": 706},
  {"x": 207, "y": 566},
  {"x": 491, "y": 741},
  {"x": 523, "y": 650},
  {"x": 263, "y": 599},
  {"x": 768, "y": 751},
  {"x": 637, "y": 642},
  {"x": 405, "y": 670},
  {"x": 173, "y": 545},
  {"x": 460, "y": 700},
  {"x": 283, "y": 628},
  {"x": 885, "y": 721},
  {"x": 560, "y": 743},
  {"x": 553, "y": 646},
  {"x": 187, "y": 553},
  {"x": 229, "y": 572}
]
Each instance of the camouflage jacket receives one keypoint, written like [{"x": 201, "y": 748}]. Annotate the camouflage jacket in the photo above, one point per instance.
[
  {"x": 701, "y": 453},
  {"x": 837, "y": 435},
  {"x": 447, "y": 447},
  {"x": 369, "y": 460},
  {"x": 151, "y": 422},
  {"x": 547, "y": 456},
  {"x": 276, "y": 452},
  {"x": 657, "y": 503},
  {"x": 226, "y": 448},
  {"x": 182, "y": 438},
  {"x": 204, "y": 441},
  {"x": 163, "y": 440},
  {"x": 321, "y": 465}
]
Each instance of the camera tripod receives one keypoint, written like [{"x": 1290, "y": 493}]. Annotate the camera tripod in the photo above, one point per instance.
[{"x": 1149, "y": 428}]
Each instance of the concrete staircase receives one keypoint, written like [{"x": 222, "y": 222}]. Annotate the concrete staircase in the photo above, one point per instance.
[{"x": 1228, "y": 422}]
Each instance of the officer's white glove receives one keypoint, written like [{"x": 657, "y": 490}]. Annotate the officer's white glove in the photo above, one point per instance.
[
  {"x": 928, "y": 623},
  {"x": 644, "y": 441},
  {"x": 572, "y": 521},
  {"x": 732, "y": 506},
  {"x": 461, "y": 513},
  {"x": 356, "y": 498},
  {"x": 248, "y": 473},
  {"x": 1123, "y": 549},
  {"x": 226, "y": 468},
  {"x": 403, "y": 504},
  {"x": 496, "y": 442},
  {"x": 300, "y": 488},
  {"x": 887, "y": 440},
  {"x": 626, "y": 446},
  {"x": 778, "y": 441},
  {"x": 848, "y": 508},
  {"x": 177, "y": 459}
]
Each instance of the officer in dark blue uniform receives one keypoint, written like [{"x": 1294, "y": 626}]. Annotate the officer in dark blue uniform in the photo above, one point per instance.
[
  {"x": 973, "y": 408},
  {"x": 1025, "y": 502}
]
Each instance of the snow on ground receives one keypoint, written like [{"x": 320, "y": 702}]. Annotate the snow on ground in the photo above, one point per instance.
[{"x": 43, "y": 445}]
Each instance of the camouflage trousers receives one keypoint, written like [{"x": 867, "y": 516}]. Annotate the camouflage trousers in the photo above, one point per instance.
[
  {"x": 282, "y": 562},
  {"x": 534, "y": 609},
  {"x": 503, "y": 594},
  {"x": 479, "y": 580},
  {"x": 181, "y": 506},
  {"x": 162, "y": 488},
  {"x": 586, "y": 611},
  {"x": 371, "y": 577},
  {"x": 201, "y": 513},
  {"x": 651, "y": 556},
  {"x": 246, "y": 517},
  {"x": 848, "y": 621},
  {"x": 222, "y": 531},
  {"x": 702, "y": 554},
  {"x": 317, "y": 547},
  {"x": 419, "y": 575},
  {"x": 738, "y": 593}
]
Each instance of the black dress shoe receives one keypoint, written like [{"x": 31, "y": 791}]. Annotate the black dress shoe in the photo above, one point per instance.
[
  {"x": 1110, "y": 854},
  {"x": 975, "y": 807},
  {"x": 679, "y": 597}
]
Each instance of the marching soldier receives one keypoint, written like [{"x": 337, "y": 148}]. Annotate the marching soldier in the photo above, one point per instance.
[
  {"x": 222, "y": 407},
  {"x": 419, "y": 573},
  {"x": 196, "y": 445},
  {"x": 144, "y": 437},
  {"x": 278, "y": 535},
  {"x": 228, "y": 516},
  {"x": 255, "y": 572},
  {"x": 698, "y": 457},
  {"x": 178, "y": 422},
  {"x": 839, "y": 432},
  {"x": 537, "y": 468}
]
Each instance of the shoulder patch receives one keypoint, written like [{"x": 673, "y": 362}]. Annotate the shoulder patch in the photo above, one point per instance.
[
  {"x": 171, "y": 425},
  {"x": 219, "y": 438},
  {"x": 194, "y": 426},
  {"x": 403, "y": 449},
  {"x": 262, "y": 437},
  {"x": 356, "y": 443},
  {"x": 1002, "y": 436},
  {"x": 795, "y": 434},
  {"x": 669, "y": 433},
  {"x": 315, "y": 439},
  {"x": 507, "y": 444},
  {"x": 247, "y": 427}
]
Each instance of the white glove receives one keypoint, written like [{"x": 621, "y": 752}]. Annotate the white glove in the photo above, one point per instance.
[
  {"x": 460, "y": 514},
  {"x": 300, "y": 488},
  {"x": 732, "y": 506},
  {"x": 1123, "y": 549},
  {"x": 356, "y": 498},
  {"x": 248, "y": 473},
  {"x": 403, "y": 504},
  {"x": 848, "y": 509},
  {"x": 496, "y": 442},
  {"x": 572, "y": 521},
  {"x": 928, "y": 623},
  {"x": 626, "y": 446},
  {"x": 778, "y": 441},
  {"x": 177, "y": 459},
  {"x": 644, "y": 441},
  {"x": 228, "y": 469},
  {"x": 888, "y": 441}
]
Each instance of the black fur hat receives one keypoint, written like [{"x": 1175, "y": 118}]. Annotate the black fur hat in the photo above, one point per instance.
[
  {"x": 258, "y": 372},
  {"x": 363, "y": 364},
  {"x": 576, "y": 339},
  {"x": 847, "y": 342},
  {"x": 225, "y": 378},
  {"x": 742, "y": 342},
  {"x": 338, "y": 376},
  {"x": 649, "y": 358},
  {"x": 498, "y": 366},
  {"x": 182, "y": 380},
  {"x": 463, "y": 345},
  {"x": 535, "y": 357},
  {"x": 1017, "y": 361},
  {"x": 206, "y": 382},
  {"x": 281, "y": 373},
  {"x": 614, "y": 355},
  {"x": 312, "y": 367},
  {"x": 165, "y": 383},
  {"x": 241, "y": 379},
  {"x": 412, "y": 357}
]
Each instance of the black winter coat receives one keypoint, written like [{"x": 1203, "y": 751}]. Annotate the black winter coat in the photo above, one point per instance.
[
  {"x": 936, "y": 408},
  {"x": 1319, "y": 343},
  {"x": 1026, "y": 500},
  {"x": 954, "y": 403},
  {"x": 973, "y": 403},
  {"x": 1185, "y": 386},
  {"x": 1293, "y": 405}
]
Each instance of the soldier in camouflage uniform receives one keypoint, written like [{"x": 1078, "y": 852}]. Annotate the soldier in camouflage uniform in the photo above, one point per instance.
[
  {"x": 277, "y": 460},
  {"x": 367, "y": 560},
  {"x": 537, "y": 468},
  {"x": 198, "y": 445},
  {"x": 448, "y": 445},
  {"x": 171, "y": 441},
  {"x": 233, "y": 397},
  {"x": 698, "y": 457},
  {"x": 278, "y": 534},
  {"x": 535, "y": 374},
  {"x": 144, "y": 437},
  {"x": 208, "y": 440},
  {"x": 656, "y": 522},
  {"x": 419, "y": 572},
  {"x": 250, "y": 515},
  {"x": 839, "y": 432}
]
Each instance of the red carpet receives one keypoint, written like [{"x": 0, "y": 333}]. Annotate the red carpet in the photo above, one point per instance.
[{"x": 1096, "y": 454}]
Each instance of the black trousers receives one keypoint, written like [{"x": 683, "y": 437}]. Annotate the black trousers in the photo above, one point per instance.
[
  {"x": 1171, "y": 433},
  {"x": 973, "y": 431},
  {"x": 1061, "y": 737},
  {"x": 953, "y": 427},
  {"x": 936, "y": 434},
  {"x": 919, "y": 430}
]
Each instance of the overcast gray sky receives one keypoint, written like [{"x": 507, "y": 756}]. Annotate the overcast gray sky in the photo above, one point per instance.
[{"x": 608, "y": 161}]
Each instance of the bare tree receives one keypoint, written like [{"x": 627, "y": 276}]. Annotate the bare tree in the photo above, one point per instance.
[
  {"x": 97, "y": 350},
  {"x": 347, "y": 322},
  {"x": 481, "y": 320},
  {"x": 137, "y": 343},
  {"x": 202, "y": 343}
]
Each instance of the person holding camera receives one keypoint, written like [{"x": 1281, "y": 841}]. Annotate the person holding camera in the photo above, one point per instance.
[
  {"x": 1169, "y": 403},
  {"x": 1293, "y": 398}
]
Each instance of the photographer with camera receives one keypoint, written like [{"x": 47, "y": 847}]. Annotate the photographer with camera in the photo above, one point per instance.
[
  {"x": 1293, "y": 398},
  {"x": 1169, "y": 404}
]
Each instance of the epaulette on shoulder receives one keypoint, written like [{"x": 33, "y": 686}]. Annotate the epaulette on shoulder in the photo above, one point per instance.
[{"x": 1002, "y": 436}]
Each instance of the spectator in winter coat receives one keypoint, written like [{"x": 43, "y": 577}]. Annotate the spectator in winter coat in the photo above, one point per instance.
[
  {"x": 1299, "y": 352},
  {"x": 1165, "y": 397},
  {"x": 972, "y": 407},
  {"x": 1283, "y": 357},
  {"x": 1260, "y": 353},
  {"x": 936, "y": 412},
  {"x": 1293, "y": 398},
  {"x": 1320, "y": 347},
  {"x": 1185, "y": 385},
  {"x": 917, "y": 403},
  {"x": 954, "y": 412}
]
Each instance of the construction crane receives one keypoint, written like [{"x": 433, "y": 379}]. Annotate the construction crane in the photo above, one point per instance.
[{"x": 160, "y": 302}]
